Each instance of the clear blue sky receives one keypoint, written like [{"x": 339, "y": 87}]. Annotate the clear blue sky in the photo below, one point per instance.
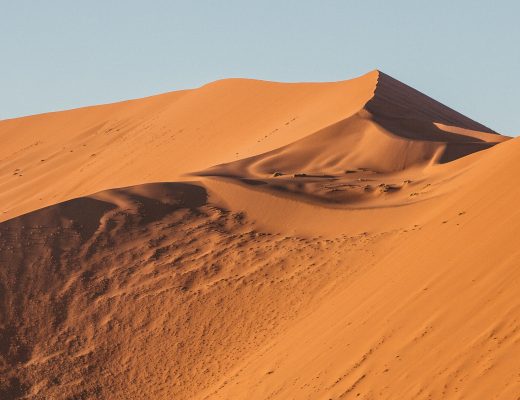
[{"x": 60, "y": 54}]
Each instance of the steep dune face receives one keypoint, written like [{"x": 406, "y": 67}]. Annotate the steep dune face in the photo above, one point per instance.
[
  {"x": 340, "y": 240},
  {"x": 395, "y": 100}
]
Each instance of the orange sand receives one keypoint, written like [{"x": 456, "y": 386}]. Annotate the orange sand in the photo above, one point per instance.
[{"x": 260, "y": 240}]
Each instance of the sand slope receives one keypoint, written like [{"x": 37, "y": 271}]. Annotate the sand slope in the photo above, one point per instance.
[
  {"x": 159, "y": 138},
  {"x": 260, "y": 240}
]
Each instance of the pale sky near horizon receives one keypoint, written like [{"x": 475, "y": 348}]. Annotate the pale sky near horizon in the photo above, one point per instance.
[{"x": 61, "y": 54}]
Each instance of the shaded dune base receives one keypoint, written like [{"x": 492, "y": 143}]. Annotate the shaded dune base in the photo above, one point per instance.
[
  {"x": 162, "y": 289},
  {"x": 343, "y": 240}
]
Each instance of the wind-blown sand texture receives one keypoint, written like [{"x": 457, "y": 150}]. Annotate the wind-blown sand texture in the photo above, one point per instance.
[{"x": 260, "y": 240}]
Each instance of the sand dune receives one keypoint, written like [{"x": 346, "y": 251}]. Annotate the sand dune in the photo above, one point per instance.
[
  {"x": 397, "y": 134},
  {"x": 253, "y": 239},
  {"x": 162, "y": 137}
]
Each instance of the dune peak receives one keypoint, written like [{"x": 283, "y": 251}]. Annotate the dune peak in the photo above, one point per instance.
[{"x": 395, "y": 99}]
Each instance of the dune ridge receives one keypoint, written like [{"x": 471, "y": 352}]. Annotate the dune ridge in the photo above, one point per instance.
[
  {"x": 395, "y": 99},
  {"x": 260, "y": 240}
]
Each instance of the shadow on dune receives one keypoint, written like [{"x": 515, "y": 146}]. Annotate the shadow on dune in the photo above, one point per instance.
[
  {"x": 394, "y": 99},
  {"x": 42, "y": 250},
  {"x": 150, "y": 201}
]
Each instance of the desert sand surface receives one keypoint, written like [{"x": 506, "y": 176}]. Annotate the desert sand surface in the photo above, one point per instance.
[{"x": 260, "y": 240}]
